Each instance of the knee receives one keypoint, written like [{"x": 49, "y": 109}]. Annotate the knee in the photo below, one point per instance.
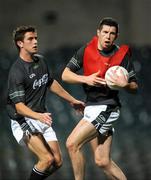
[
  {"x": 58, "y": 161},
  {"x": 71, "y": 145},
  {"x": 102, "y": 162},
  {"x": 46, "y": 161}
]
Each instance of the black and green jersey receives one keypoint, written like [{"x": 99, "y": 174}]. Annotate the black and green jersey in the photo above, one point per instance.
[{"x": 28, "y": 83}]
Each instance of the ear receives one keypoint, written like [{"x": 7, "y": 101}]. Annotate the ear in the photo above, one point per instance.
[
  {"x": 20, "y": 44},
  {"x": 98, "y": 32},
  {"x": 116, "y": 36}
]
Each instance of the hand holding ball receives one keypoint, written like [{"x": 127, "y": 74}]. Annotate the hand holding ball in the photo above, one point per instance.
[{"x": 117, "y": 71}]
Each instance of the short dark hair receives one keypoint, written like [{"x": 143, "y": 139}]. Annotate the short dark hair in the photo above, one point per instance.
[
  {"x": 109, "y": 21},
  {"x": 19, "y": 32}
]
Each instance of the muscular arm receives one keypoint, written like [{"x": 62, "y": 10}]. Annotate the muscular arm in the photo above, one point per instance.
[
  {"x": 121, "y": 81},
  {"x": 61, "y": 92},
  {"x": 92, "y": 80},
  {"x": 72, "y": 77},
  {"x": 131, "y": 87},
  {"x": 23, "y": 110}
]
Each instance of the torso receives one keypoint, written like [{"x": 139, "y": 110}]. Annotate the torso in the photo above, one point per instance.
[
  {"x": 32, "y": 80},
  {"x": 99, "y": 95}
]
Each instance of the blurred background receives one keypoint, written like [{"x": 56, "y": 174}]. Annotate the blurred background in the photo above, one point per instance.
[{"x": 63, "y": 26}]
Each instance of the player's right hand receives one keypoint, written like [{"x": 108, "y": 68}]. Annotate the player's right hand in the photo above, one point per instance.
[
  {"x": 45, "y": 118},
  {"x": 95, "y": 80}
]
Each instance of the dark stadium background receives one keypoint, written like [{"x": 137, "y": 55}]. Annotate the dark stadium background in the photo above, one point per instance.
[{"x": 63, "y": 26}]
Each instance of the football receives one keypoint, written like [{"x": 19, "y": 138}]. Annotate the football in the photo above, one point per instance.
[{"x": 117, "y": 70}]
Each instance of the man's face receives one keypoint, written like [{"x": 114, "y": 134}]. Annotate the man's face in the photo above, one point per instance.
[
  {"x": 29, "y": 43},
  {"x": 106, "y": 36}
]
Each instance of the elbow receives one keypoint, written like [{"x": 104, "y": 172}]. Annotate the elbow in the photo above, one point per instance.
[
  {"x": 133, "y": 89},
  {"x": 63, "y": 77},
  {"x": 18, "y": 108}
]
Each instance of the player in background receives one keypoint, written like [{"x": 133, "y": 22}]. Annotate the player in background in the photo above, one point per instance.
[
  {"x": 28, "y": 81},
  {"x": 102, "y": 104}
]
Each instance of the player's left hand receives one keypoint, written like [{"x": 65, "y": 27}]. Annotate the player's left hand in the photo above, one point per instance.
[
  {"x": 78, "y": 106},
  {"x": 120, "y": 81}
]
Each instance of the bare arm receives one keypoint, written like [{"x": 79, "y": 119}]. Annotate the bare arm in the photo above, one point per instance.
[
  {"x": 122, "y": 82},
  {"x": 61, "y": 92},
  {"x": 26, "y": 111},
  {"x": 72, "y": 77},
  {"x": 131, "y": 87},
  {"x": 92, "y": 80}
]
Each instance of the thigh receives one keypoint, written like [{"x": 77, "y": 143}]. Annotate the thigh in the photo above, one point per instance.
[
  {"x": 104, "y": 147},
  {"x": 37, "y": 144},
  {"x": 94, "y": 144},
  {"x": 55, "y": 149},
  {"x": 83, "y": 132}
]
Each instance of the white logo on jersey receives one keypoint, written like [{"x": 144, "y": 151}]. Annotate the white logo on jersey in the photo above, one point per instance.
[
  {"x": 32, "y": 75},
  {"x": 41, "y": 81}
]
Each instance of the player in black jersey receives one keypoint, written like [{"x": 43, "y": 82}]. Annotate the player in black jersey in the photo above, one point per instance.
[
  {"x": 102, "y": 103},
  {"x": 28, "y": 81}
]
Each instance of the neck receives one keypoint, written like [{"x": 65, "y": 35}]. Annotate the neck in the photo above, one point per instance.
[
  {"x": 106, "y": 49},
  {"x": 26, "y": 57}
]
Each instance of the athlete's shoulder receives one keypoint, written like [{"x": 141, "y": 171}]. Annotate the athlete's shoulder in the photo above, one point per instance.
[
  {"x": 16, "y": 65},
  {"x": 16, "y": 70},
  {"x": 81, "y": 50}
]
